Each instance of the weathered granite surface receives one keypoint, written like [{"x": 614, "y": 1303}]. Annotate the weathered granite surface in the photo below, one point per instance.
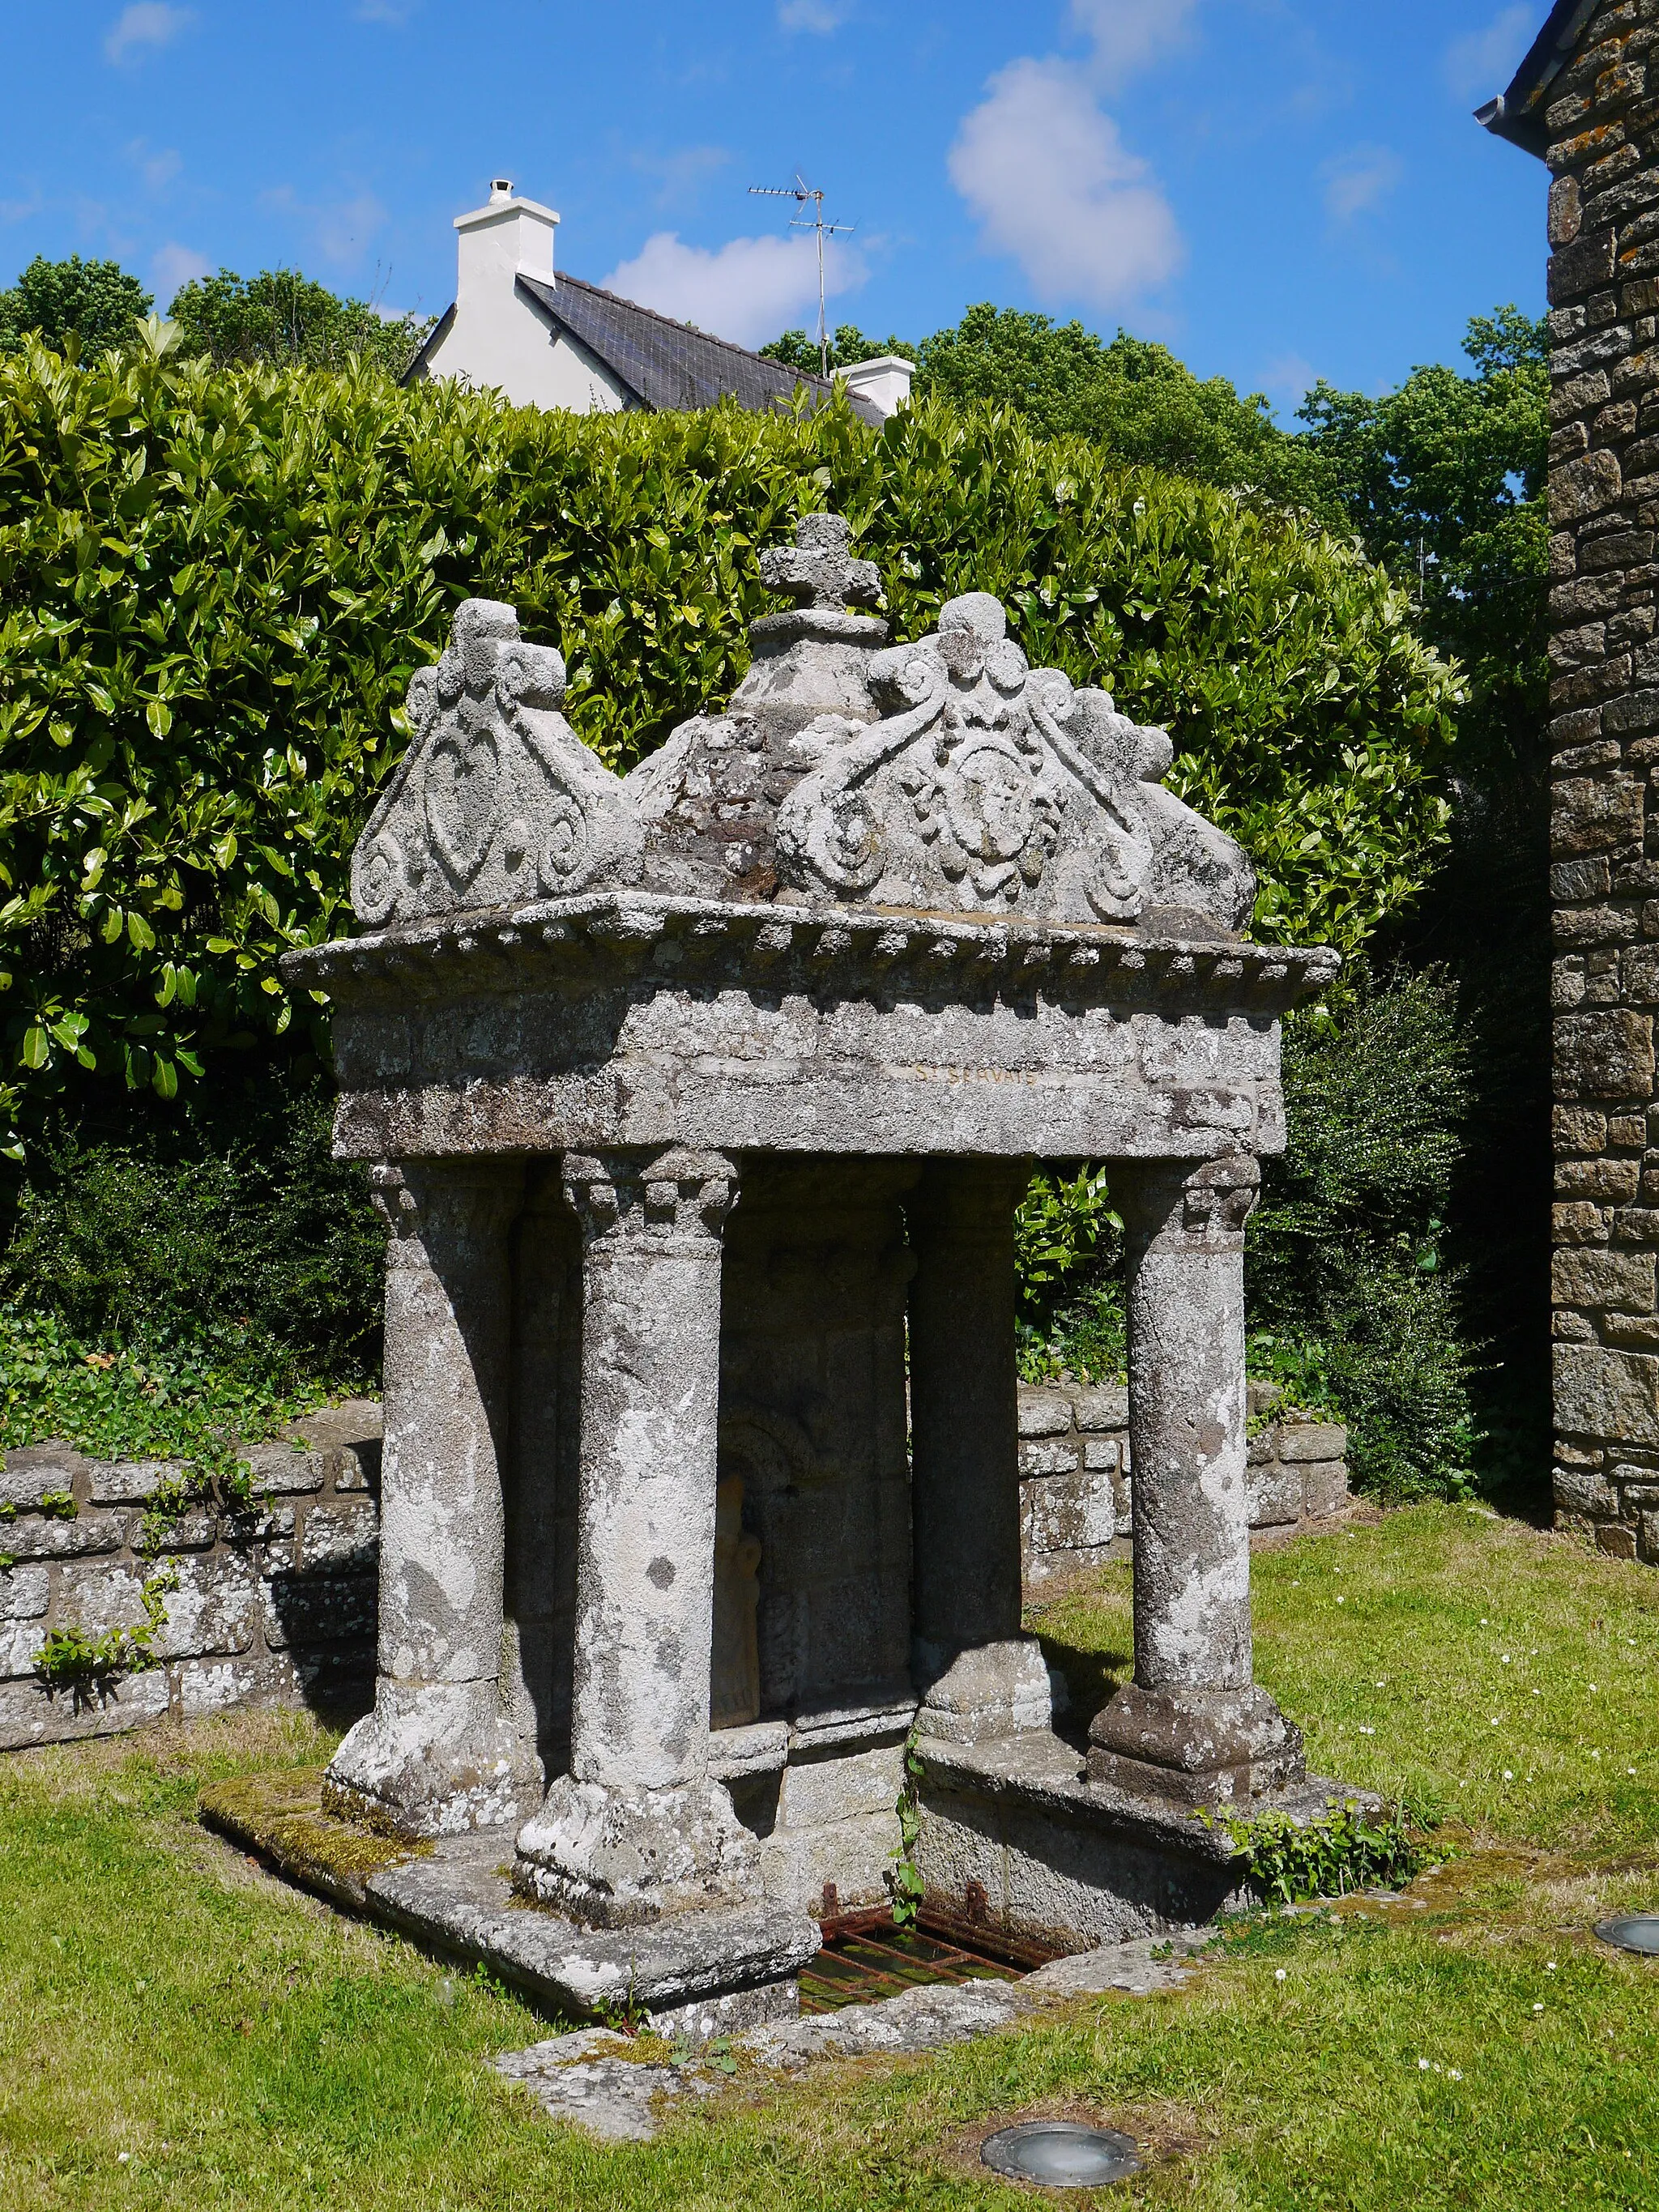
[
  {"x": 1600, "y": 125},
  {"x": 622, "y": 2091},
  {"x": 784, "y": 1017},
  {"x": 276, "y": 1606}
]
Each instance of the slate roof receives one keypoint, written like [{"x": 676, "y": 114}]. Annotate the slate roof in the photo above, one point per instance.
[
  {"x": 664, "y": 365},
  {"x": 1517, "y": 114}
]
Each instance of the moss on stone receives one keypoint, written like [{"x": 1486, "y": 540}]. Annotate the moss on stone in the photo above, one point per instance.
[{"x": 280, "y": 1815}]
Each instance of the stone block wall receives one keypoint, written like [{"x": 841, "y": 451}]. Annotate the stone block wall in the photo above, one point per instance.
[
  {"x": 1603, "y": 127},
  {"x": 1075, "y": 1478},
  {"x": 277, "y": 1606}
]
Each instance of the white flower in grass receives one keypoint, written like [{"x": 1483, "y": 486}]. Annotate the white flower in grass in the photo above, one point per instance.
[
  {"x": 1538, "y": 2008},
  {"x": 1279, "y": 1973},
  {"x": 1453, "y": 2074},
  {"x": 1508, "y": 1775},
  {"x": 1422, "y": 2065}
]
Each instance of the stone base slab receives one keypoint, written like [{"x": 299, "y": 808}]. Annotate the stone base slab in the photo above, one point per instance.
[
  {"x": 697, "y": 1974},
  {"x": 1013, "y": 1834},
  {"x": 621, "y": 2091}
]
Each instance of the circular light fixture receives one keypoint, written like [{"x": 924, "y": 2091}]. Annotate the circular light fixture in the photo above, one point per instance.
[
  {"x": 1060, "y": 2155},
  {"x": 1631, "y": 1931}
]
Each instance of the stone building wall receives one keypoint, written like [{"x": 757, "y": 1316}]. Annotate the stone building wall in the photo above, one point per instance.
[
  {"x": 270, "y": 1608},
  {"x": 1075, "y": 1482},
  {"x": 1602, "y": 122}
]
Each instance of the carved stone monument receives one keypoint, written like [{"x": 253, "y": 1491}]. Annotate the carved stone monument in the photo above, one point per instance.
[{"x": 700, "y": 1102}]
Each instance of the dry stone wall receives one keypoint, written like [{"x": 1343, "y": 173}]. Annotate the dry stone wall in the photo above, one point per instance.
[
  {"x": 1075, "y": 1478},
  {"x": 1603, "y": 154},
  {"x": 276, "y": 1606}
]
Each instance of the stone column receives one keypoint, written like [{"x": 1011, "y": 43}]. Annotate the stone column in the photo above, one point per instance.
[
  {"x": 980, "y": 1676},
  {"x": 1192, "y": 1725},
  {"x": 437, "y": 1754},
  {"x": 636, "y": 1829}
]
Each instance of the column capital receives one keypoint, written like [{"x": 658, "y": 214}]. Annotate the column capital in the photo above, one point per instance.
[
  {"x": 664, "y": 1197},
  {"x": 1181, "y": 1205},
  {"x": 413, "y": 1198}
]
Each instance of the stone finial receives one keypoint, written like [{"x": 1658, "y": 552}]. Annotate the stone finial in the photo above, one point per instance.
[
  {"x": 818, "y": 570},
  {"x": 497, "y": 799}
]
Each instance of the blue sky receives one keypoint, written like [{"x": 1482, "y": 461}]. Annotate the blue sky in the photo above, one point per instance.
[{"x": 1278, "y": 189}]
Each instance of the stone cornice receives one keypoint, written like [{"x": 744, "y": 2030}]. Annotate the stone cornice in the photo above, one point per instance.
[{"x": 733, "y": 945}]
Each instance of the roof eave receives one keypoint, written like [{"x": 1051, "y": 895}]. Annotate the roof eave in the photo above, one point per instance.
[
  {"x": 1517, "y": 113},
  {"x": 536, "y": 290},
  {"x": 437, "y": 331}
]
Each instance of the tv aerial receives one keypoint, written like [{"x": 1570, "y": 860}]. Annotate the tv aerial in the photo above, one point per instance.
[{"x": 804, "y": 196}]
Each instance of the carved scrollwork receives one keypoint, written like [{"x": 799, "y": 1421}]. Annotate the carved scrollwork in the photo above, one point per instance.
[
  {"x": 972, "y": 793},
  {"x": 497, "y": 799}
]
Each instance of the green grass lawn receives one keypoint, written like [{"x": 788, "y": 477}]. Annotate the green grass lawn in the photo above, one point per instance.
[{"x": 246, "y": 2048}]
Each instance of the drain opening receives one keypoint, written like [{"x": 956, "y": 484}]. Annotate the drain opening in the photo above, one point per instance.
[
  {"x": 865, "y": 1957},
  {"x": 1631, "y": 1931},
  {"x": 1060, "y": 2155}
]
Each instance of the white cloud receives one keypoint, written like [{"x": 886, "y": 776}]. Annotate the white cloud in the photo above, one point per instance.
[
  {"x": 340, "y": 230},
  {"x": 1288, "y": 378},
  {"x": 1054, "y": 186},
  {"x": 820, "y": 15},
  {"x": 1128, "y": 35},
  {"x": 175, "y": 265},
  {"x": 679, "y": 174},
  {"x": 146, "y": 23},
  {"x": 1484, "y": 62},
  {"x": 159, "y": 167},
  {"x": 748, "y": 290},
  {"x": 1358, "y": 181}
]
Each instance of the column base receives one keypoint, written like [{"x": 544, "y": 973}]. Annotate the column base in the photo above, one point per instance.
[
  {"x": 994, "y": 1690},
  {"x": 1195, "y": 1746},
  {"x": 614, "y": 1856},
  {"x": 433, "y": 1759}
]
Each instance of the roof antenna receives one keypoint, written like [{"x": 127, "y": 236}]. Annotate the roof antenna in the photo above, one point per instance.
[{"x": 800, "y": 191}]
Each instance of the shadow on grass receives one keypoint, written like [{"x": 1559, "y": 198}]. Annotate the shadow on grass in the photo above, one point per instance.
[{"x": 1091, "y": 1676}]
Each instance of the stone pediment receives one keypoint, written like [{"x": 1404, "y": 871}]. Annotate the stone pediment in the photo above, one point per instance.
[
  {"x": 497, "y": 799},
  {"x": 946, "y": 775},
  {"x": 990, "y": 787}
]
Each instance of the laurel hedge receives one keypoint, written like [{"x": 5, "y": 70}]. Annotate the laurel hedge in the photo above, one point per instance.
[{"x": 214, "y": 585}]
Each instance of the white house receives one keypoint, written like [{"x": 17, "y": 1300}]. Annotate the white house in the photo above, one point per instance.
[{"x": 553, "y": 341}]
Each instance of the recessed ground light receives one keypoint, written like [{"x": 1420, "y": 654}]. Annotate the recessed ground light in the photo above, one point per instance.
[
  {"x": 1060, "y": 2155},
  {"x": 1633, "y": 1931}
]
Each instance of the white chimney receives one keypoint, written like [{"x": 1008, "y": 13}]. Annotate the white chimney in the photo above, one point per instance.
[
  {"x": 497, "y": 241},
  {"x": 883, "y": 383}
]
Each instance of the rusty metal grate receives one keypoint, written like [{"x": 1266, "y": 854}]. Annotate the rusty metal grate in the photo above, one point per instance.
[{"x": 865, "y": 1957}]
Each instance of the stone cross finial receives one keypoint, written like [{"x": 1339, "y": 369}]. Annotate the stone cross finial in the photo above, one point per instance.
[{"x": 817, "y": 570}]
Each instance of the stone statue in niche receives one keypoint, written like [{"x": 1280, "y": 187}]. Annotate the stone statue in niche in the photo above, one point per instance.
[
  {"x": 497, "y": 799},
  {"x": 734, "y": 1697}
]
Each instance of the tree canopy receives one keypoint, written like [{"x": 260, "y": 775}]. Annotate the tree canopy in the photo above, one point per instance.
[
  {"x": 88, "y": 304},
  {"x": 282, "y": 318}
]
